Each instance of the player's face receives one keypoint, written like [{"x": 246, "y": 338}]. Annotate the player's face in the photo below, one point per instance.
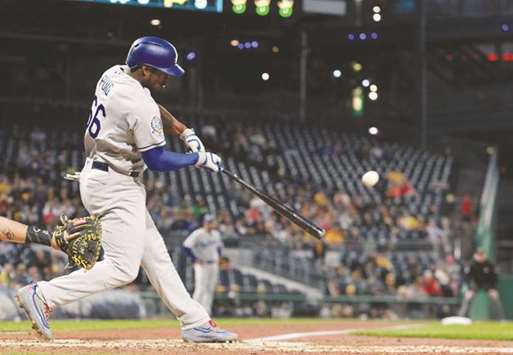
[
  {"x": 154, "y": 79},
  {"x": 211, "y": 225}
]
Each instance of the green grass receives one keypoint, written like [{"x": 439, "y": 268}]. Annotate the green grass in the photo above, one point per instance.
[
  {"x": 477, "y": 330},
  {"x": 63, "y": 325}
]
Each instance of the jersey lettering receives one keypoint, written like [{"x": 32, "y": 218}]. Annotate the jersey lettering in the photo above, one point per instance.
[{"x": 106, "y": 84}]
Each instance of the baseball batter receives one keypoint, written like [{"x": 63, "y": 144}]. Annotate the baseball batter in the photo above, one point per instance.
[
  {"x": 204, "y": 246},
  {"x": 124, "y": 135}
]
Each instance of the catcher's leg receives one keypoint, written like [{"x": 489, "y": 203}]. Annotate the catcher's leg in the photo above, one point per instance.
[{"x": 164, "y": 278}]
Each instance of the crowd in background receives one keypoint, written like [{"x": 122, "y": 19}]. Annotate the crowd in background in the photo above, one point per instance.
[{"x": 32, "y": 191}]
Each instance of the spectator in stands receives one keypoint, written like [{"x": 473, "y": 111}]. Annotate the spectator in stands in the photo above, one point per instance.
[
  {"x": 7, "y": 274},
  {"x": 467, "y": 208},
  {"x": 227, "y": 283},
  {"x": 226, "y": 224},
  {"x": 208, "y": 134},
  {"x": 430, "y": 284},
  {"x": 398, "y": 185},
  {"x": 319, "y": 253},
  {"x": 481, "y": 275},
  {"x": 346, "y": 211},
  {"x": 199, "y": 208},
  {"x": 334, "y": 236},
  {"x": 438, "y": 237},
  {"x": 444, "y": 281}
]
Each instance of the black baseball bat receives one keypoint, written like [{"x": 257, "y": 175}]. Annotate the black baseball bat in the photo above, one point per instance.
[{"x": 287, "y": 212}]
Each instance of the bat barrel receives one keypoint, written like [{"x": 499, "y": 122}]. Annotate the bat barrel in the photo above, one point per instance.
[{"x": 281, "y": 208}]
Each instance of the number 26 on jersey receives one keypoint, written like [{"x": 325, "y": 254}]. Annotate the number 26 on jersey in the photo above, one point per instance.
[{"x": 93, "y": 123}]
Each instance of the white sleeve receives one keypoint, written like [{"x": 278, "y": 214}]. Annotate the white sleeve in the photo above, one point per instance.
[
  {"x": 191, "y": 240},
  {"x": 147, "y": 127}
]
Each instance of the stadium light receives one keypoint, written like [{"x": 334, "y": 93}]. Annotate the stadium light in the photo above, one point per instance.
[
  {"x": 337, "y": 73},
  {"x": 373, "y": 96},
  {"x": 155, "y": 22},
  {"x": 365, "y": 83},
  {"x": 373, "y": 131},
  {"x": 376, "y": 9},
  {"x": 234, "y": 43},
  {"x": 351, "y": 37},
  {"x": 262, "y": 7},
  {"x": 373, "y": 88},
  {"x": 376, "y": 17},
  {"x": 265, "y": 76},
  {"x": 363, "y": 36},
  {"x": 357, "y": 66},
  {"x": 374, "y": 35},
  {"x": 505, "y": 27},
  {"x": 200, "y": 4},
  {"x": 143, "y": 2},
  {"x": 239, "y": 6},
  {"x": 285, "y": 8},
  {"x": 357, "y": 102},
  {"x": 275, "y": 49}
]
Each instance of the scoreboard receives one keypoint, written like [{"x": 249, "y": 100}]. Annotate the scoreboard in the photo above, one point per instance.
[{"x": 194, "y": 5}]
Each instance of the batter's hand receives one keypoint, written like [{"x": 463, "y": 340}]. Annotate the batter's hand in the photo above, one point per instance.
[
  {"x": 192, "y": 141},
  {"x": 209, "y": 161}
]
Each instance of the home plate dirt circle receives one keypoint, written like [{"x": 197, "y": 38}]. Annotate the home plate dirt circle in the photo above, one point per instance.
[{"x": 251, "y": 346}]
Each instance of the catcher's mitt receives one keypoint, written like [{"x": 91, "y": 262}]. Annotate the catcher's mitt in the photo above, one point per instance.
[{"x": 80, "y": 238}]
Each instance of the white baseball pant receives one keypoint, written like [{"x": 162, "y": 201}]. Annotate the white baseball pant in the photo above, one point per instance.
[
  {"x": 130, "y": 240},
  {"x": 205, "y": 282}
]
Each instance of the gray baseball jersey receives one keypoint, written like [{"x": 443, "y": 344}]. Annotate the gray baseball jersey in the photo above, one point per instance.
[
  {"x": 204, "y": 244},
  {"x": 124, "y": 121}
]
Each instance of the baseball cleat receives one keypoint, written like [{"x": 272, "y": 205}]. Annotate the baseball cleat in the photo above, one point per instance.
[
  {"x": 208, "y": 333},
  {"x": 31, "y": 300}
]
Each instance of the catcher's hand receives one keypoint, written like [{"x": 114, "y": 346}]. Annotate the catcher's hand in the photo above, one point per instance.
[{"x": 80, "y": 239}]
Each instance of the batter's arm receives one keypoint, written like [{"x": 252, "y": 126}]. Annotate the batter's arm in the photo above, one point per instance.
[
  {"x": 170, "y": 123},
  {"x": 16, "y": 232},
  {"x": 173, "y": 126}
]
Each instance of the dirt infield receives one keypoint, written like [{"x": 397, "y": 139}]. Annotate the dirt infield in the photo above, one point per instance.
[{"x": 334, "y": 337}]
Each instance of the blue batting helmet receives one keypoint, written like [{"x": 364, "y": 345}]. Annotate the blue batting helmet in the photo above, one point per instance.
[{"x": 156, "y": 53}]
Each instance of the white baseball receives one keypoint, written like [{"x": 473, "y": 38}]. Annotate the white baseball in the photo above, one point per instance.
[{"x": 370, "y": 178}]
